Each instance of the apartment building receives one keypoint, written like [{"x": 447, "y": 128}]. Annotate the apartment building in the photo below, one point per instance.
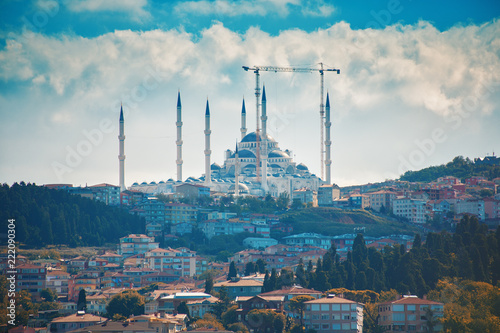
[
  {"x": 334, "y": 314},
  {"x": 409, "y": 314}
]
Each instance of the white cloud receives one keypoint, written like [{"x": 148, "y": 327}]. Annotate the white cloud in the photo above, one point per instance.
[
  {"x": 395, "y": 86},
  {"x": 253, "y": 7},
  {"x": 135, "y": 8}
]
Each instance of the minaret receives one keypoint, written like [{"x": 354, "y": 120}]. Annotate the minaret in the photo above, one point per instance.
[
  {"x": 236, "y": 172},
  {"x": 179, "y": 137},
  {"x": 243, "y": 120},
  {"x": 328, "y": 142},
  {"x": 121, "y": 157},
  {"x": 208, "y": 177},
  {"x": 263, "y": 150}
]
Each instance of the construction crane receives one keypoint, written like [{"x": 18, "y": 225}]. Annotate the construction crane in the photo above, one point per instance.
[{"x": 321, "y": 70}]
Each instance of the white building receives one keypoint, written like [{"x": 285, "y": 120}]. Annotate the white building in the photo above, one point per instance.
[{"x": 411, "y": 209}]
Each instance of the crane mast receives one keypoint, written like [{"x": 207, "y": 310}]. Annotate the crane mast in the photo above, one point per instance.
[{"x": 321, "y": 70}]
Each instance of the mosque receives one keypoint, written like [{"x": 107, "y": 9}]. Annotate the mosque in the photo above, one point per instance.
[{"x": 256, "y": 166}]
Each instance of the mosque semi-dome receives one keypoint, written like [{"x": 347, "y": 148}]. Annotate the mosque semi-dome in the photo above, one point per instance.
[{"x": 277, "y": 154}]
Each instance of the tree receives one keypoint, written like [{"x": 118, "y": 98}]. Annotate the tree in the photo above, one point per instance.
[
  {"x": 183, "y": 309},
  {"x": 127, "y": 303},
  {"x": 49, "y": 295},
  {"x": 249, "y": 268},
  {"x": 230, "y": 316},
  {"x": 297, "y": 305},
  {"x": 223, "y": 304},
  {"x": 233, "y": 273},
  {"x": 81, "y": 304},
  {"x": 208, "y": 321},
  {"x": 209, "y": 284},
  {"x": 261, "y": 265}
]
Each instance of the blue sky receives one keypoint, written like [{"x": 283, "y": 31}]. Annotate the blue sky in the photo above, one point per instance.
[{"x": 419, "y": 83}]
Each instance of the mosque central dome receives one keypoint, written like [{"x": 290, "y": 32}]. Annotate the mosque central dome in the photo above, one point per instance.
[{"x": 252, "y": 137}]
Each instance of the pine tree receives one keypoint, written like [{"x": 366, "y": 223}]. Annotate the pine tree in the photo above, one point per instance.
[{"x": 232, "y": 271}]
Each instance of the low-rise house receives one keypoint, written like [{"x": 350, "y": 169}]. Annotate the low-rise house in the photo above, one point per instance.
[
  {"x": 334, "y": 314},
  {"x": 73, "y": 322},
  {"x": 249, "y": 303},
  {"x": 409, "y": 314},
  {"x": 117, "y": 326},
  {"x": 168, "y": 304},
  {"x": 242, "y": 287}
]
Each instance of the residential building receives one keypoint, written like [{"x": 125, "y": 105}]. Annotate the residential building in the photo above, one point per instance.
[
  {"x": 57, "y": 281},
  {"x": 249, "y": 303},
  {"x": 327, "y": 194},
  {"x": 471, "y": 206},
  {"x": 200, "y": 302},
  {"x": 192, "y": 190},
  {"x": 179, "y": 262},
  {"x": 257, "y": 243},
  {"x": 74, "y": 322},
  {"x": 107, "y": 193},
  {"x": 333, "y": 314},
  {"x": 117, "y": 326},
  {"x": 136, "y": 244},
  {"x": 491, "y": 208},
  {"x": 31, "y": 278},
  {"x": 179, "y": 213},
  {"x": 306, "y": 196},
  {"x": 408, "y": 314},
  {"x": 381, "y": 200},
  {"x": 361, "y": 201},
  {"x": 240, "y": 287},
  {"x": 136, "y": 274},
  {"x": 411, "y": 209},
  {"x": 312, "y": 239},
  {"x": 116, "y": 280}
]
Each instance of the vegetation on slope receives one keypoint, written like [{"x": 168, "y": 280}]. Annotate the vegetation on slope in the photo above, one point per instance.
[
  {"x": 459, "y": 167},
  {"x": 46, "y": 216},
  {"x": 334, "y": 221}
]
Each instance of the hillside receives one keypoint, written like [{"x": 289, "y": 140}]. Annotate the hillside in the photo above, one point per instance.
[
  {"x": 334, "y": 221},
  {"x": 459, "y": 167},
  {"x": 46, "y": 216}
]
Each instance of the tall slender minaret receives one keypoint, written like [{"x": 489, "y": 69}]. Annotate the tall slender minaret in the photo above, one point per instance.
[
  {"x": 236, "y": 172},
  {"x": 179, "y": 137},
  {"x": 328, "y": 142},
  {"x": 243, "y": 128},
  {"x": 263, "y": 150},
  {"x": 121, "y": 157},
  {"x": 208, "y": 176}
]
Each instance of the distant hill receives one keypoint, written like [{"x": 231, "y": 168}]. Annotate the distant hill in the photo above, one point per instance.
[
  {"x": 459, "y": 167},
  {"x": 46, "y": 216},
  {"x": 334, "y": 221}
]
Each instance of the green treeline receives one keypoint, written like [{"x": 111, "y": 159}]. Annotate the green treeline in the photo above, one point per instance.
[
  {"x": 46, "y": 216},
  {"x": 459, "y": 167},
  {"x": 471, "y": 253}
]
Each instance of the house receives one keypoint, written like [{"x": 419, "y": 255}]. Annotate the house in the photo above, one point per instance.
[
  {"x": 73, "y": 322},
  {"x": 408, "y": 314},
  {"x": 199, "y": 302},
  {"x": 192, "y": 190},
  {"x": 333, "y": 313},
  {"x": 290, "y": 292},
  {"x": 116, "y": 326},
  {"x": 249, "y": 303},
  {"x": 242, "y": 287}
]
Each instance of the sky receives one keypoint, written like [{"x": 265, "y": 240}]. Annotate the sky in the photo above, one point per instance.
[{"x": 419, "y": 84}]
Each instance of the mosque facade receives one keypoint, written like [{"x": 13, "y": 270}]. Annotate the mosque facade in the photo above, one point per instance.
[{"x": 241, "y": 173}]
